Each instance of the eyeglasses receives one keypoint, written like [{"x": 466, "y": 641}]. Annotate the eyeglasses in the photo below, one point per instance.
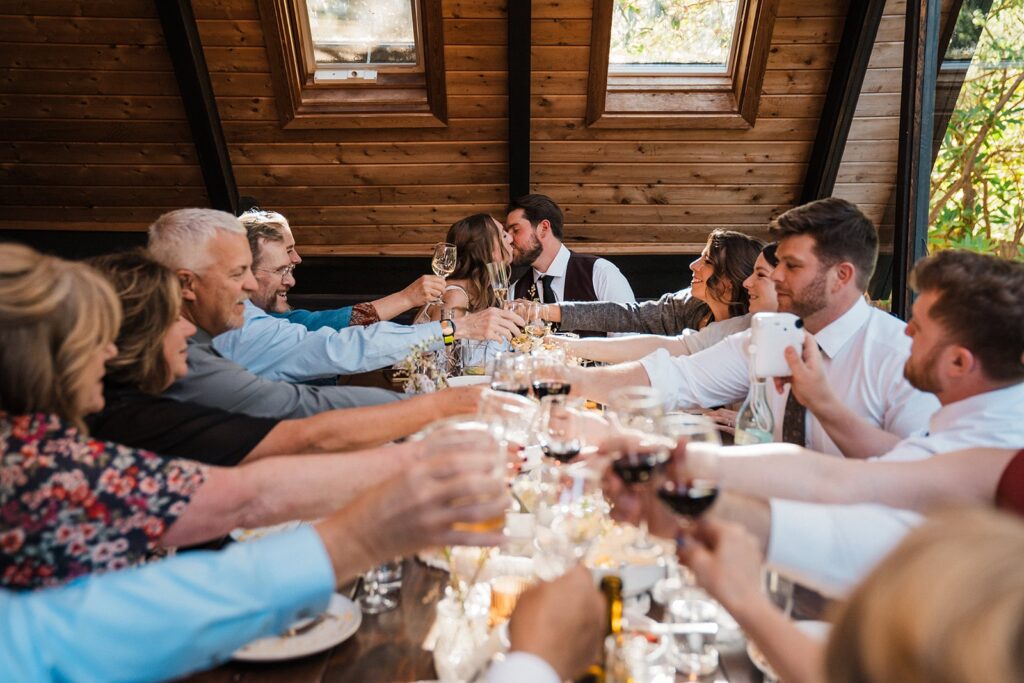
[{"x": 282, "y": 272}]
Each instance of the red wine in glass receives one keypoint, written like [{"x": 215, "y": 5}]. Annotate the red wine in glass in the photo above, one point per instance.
[
  {"x": 542, "y": 388},
  {"x": 638, "y": 467},
  {"x": 521, "y": 389},
  {"x": 689, "y": 500},
  {"x": 563, "y": 453}
]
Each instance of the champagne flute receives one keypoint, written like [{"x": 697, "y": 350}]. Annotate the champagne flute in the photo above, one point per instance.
[
  {"x": 444, "y": 260},
  {"x": 498, "y": 273}
]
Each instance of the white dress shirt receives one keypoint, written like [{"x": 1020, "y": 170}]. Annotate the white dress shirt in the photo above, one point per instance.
[
  {"x": 863, "y": 355},
  {"x": 831, "y": 547},
  {"x": 609, "y": 282},
  {"x": 520, "y": 667},
  {"x": 277, "y": 349}
]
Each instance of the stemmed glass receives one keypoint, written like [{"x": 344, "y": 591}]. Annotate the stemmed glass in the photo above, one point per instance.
[
  {"x": 511, "y": 373},
  {"x": 560, "y": 428},
  {"x": 636, "y": 410},
  {"x": 568, "y": 529},
  {"x": 548, "y": 375},
  {"x": 700, "y": 435},
  {"x": 443, "y": 262},
  {"x": 498, "y": 273}
]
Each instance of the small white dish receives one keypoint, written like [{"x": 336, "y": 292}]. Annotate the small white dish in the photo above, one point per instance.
[
  {"x": 343, "y": 618},
  {"x": 468, "y": 380}
]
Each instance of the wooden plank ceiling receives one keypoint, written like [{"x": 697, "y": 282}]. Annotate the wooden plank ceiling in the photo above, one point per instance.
[{"x": 94, "y": 134}]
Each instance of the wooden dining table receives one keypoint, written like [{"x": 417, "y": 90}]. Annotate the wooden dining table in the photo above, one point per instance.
[{"x": 389, "y": 647}]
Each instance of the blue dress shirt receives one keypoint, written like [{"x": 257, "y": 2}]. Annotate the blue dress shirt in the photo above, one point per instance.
[
  {"x": 336, "y": 318},
  {"x": 167, "y": 619},
  {"x": 276, "y": 349}
]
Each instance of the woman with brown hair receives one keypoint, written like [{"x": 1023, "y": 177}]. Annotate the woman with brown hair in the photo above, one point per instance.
[
  {"x": 479, "y": 239},
  {"x": 74, "y": 504}
]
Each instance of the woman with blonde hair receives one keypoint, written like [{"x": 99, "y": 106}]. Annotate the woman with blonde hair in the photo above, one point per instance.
[{"x": 74, "y": 504}]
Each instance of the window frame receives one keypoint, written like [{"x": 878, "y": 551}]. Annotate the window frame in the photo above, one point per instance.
[
  {"x": 402, "y": 96},
  {"x": 691, "y": 99}
]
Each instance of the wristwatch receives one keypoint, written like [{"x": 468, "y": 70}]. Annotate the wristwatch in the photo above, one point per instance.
[{"x": 448, "y": 331}]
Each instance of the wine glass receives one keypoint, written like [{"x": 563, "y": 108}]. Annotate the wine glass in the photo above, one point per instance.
[
  {"x": 511, "y": 373},
  {"x": 568, "y": 529},
  {"x": 444, "y": 260},
  {"x": 498, "y": 274},
  {"x": 560, "y": 428},
  {"x": 547, "y": 374},
  {"x": 701, "y": 437},
  {"x": 644, "y": 454}
]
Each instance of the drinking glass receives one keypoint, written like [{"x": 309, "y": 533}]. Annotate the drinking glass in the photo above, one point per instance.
[
  {"x": 498, "y": 274},
  {"x": 701, "y": 438},
  {"x": 642, "y": 456},
  {"x": 560, "y": 428},
  {"x": 444, "y": 260},
  {"x": 511, "y": 373},
  {"x": 536, "y": 326},
  {"x": 779, "y": 589},
  {"x": 473, "y": 356},
  {"x": 510, "y": 417},
  {"x": 568, "y": 529},
  {"x": 375, "y": 598},
  {"x": 455, "y": 435},
  {"x": 548, "y": 374},
  {"x": 695, "y": 651}
]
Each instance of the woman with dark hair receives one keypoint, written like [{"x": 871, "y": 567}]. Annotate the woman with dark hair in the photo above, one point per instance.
[
  {"x": 713, "y": 281},
  {"x": 479, "y": 240},
  {"x": 715, "y": 295}
]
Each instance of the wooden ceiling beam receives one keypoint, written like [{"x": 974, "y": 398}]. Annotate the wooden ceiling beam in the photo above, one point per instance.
[
  {"x": 193, "y": 76},
  {"x": 844, "y": 86},
  {"x": 519, "y": 70}
]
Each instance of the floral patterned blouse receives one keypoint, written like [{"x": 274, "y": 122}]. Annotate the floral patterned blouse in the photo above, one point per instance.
[{"x": 72, "y": 505}]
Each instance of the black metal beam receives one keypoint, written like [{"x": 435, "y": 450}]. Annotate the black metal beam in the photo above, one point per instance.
[
  {"x": 519, "y": 43},
  {"x": 182, "y": 37},
  {"x": 844, "y": 88},
  {"x": 913, "y": 169}
]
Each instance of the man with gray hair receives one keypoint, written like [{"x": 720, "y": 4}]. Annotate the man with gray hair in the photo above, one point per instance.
[
  {"x": 209, "y": 253},
  {"x": 275, "y": 348}
]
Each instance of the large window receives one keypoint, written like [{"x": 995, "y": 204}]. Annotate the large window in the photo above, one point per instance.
[
  {"x": 977, "y": 185},
  {"x": 357, "y": 63},
  {"x": 678, "y": 63}
]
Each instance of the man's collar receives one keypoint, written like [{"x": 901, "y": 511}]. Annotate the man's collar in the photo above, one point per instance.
[
  {"x": 834, "y": 336},
  {"x": 946, "y": 416},
  {"x": 558, "y": 266}
]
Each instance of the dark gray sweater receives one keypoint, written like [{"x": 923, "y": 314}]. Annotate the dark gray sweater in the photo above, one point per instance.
[{"x": 670, "y": 314}]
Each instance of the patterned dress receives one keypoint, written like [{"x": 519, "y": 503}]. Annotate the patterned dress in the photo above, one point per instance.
[{"x": 71, "y": 505}]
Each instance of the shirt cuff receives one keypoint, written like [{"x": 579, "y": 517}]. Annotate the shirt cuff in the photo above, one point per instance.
[
  {"x": 522, "y": 666},
  {"x": 430, "y": 333},
  {"x": 830, "y": 548},
  {"x": 295, "y": 570}
]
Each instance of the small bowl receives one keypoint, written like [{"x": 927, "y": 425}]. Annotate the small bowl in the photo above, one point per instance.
[{"x": 468, "y": 380}]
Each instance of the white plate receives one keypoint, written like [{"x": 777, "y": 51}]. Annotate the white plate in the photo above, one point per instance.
[
  {"x": 468, "y": 380},
  {"x": 343, "y": 619},
  {"x": 242, "y": 535}
]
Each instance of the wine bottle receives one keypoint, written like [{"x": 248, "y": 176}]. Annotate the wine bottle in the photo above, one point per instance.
[
  {"x": 754, "y": 421},
  {"x": 606, "y": 670}
]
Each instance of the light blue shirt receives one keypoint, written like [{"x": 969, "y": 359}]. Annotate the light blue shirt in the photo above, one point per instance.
[
  {"x": 167, "y": 619},
  {"x": 338, "y": 318},
  {"x": 276, "y": 349}
]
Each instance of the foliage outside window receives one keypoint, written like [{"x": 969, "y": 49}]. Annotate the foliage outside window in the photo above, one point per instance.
[
  {"x": 678, "y": 63},
  {"x": 977, "y": 186},
  {"x": 683, "y": 35},
  {"x": 356, "y": 63},
  {"x": 347, "y": 33}
]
